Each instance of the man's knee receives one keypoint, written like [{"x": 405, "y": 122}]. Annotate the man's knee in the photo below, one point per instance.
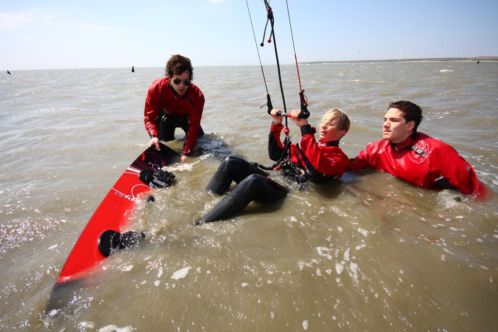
[
  {"x": 166, "y": 128},
  {"x": 230, "y": 163},
  {"x": 252, "y": 183}
]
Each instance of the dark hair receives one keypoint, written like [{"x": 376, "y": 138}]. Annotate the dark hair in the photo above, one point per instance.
[
  {"x": 177, "y": 64},
  {"x": 411, "y": 111}
]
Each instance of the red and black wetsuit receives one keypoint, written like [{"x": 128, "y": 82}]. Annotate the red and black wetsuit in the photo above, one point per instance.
[
  {"x": 163, "y": 100},
  {"x": 317, "y": 161},
  {"x": 422, "y": 161}
]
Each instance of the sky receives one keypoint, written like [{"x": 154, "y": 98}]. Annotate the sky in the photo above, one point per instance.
[{"x": 54, "y": 34}]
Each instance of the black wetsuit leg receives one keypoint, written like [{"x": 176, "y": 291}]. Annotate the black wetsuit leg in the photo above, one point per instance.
[
  {"x": 183, "y": 123},
  {"x": 255, "y": 187},
  {"x": 168, "y": 124},
  {"x": 232, "y": 168}
]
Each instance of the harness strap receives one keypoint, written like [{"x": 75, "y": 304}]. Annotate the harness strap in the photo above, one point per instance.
[
  {"x": 311, "y": 171},
  {"x": 289, "y": 169}
]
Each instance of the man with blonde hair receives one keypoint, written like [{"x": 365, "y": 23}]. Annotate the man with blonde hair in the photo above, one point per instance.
[{"x": 310, "y": 160}]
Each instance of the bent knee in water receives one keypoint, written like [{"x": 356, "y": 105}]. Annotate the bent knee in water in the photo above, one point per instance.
[
  {"x": 262, "y": 189},
  {"x": 254, "y": 180},
  {"x": 232, "y": 159}
]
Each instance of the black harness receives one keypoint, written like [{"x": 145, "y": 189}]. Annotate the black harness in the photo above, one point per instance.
[{"x": 295, "y": 171}]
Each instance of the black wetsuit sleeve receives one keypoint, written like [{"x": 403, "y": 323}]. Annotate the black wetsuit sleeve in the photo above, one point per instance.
[
  {"x": 274, "y": 149},
  {"x": 307, "y": 129}
]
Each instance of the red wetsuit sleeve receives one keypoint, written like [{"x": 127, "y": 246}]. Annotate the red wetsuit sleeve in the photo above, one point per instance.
[
  {"x": 361, "y": 161},
  {"x": 194, "y": 119},
  {"x": 151, "y": 110},
  {"x": 327, "y": 160},
  {"x": 459, "y": 172}
]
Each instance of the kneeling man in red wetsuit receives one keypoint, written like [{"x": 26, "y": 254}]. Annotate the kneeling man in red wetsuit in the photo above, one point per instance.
[
  {"x": 174, "y": 101},
  {"x": 415, "y": 157}
]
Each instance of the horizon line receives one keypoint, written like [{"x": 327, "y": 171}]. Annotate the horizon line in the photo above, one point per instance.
[{"x": 491, "y": 58}]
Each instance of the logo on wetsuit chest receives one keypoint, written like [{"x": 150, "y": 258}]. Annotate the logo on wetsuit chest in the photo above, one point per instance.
[{"x": 419, "y": 152}]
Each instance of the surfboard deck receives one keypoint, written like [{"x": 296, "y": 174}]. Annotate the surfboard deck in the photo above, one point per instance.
[{"x": 112, "y": 214}]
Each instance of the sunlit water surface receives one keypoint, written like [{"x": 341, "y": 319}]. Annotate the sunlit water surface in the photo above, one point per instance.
[{"x": 368, "y": 253}]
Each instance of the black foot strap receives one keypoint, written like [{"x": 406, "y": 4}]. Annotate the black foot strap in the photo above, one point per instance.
[{"x": 111, "y": 241}]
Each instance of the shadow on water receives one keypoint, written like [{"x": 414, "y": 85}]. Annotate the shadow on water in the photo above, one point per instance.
[
  {"x": 66, "y": 301},
  {"x": 61, "y": 296},
  {"x": 329, "y": 189},
  {"x": 213, "y": 144},
  {"x": 208, "y": 144}
]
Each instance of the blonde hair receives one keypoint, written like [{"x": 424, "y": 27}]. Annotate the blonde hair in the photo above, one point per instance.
[{"x": 343, "y": 122}]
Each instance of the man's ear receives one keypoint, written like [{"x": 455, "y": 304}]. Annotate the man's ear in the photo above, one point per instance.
[
  {"x": 341, "y": 133},
  {"x": 410, "y": 125}
]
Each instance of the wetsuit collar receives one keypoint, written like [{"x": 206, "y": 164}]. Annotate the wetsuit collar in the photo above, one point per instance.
[
  {"x": 331, "y": 143},
  {"x": 406, "y": 144}
]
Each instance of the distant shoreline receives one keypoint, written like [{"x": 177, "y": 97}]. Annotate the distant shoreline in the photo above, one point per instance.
[
  {"x": 460, "y": 59},
  {"x": 468, "y": 59}
]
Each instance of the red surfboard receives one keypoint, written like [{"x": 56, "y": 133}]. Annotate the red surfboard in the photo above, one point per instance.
[{"x": 112, "y": 216}]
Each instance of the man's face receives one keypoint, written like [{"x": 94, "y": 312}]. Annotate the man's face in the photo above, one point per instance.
[
  {"x": 329, "y": 131},
  {"x": 181, "y": 82},
  {"x": 396, "y": 129}
]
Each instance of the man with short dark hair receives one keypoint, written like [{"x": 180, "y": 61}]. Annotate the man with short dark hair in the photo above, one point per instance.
[
  {"x": 174, "y": 101},
  {"x": 416, "y": 157}
]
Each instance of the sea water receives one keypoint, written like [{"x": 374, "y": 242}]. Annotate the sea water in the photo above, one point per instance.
[{"x": 368, "y": 253}]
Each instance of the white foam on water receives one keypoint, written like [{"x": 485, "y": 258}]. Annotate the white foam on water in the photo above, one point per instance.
[
  {"x": 301, "y": 265},
  {"x": 324, "y": 252},
  {"x": 53, "y": 313},
  {"x": 180, "y": 274},
  {"x": 182, "y": 167},
  {"x": 115, "y": 328},
  {"x": 346, "y": 255},
  {"x": 86, "y": 325},
  {"x": 353, "y": 268},
  {"x": 360, "y": 246},
  {"x": 363, "y": 231},
  {"x": 127, "y": 268},
  {"x": 339, "y": 268}
]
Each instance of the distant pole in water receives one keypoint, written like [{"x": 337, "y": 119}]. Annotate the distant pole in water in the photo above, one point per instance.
[
  {"x": 478, "y": 61},
  {"x": 8, "y": 72},
  {"x": 132, "y": 69}
]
